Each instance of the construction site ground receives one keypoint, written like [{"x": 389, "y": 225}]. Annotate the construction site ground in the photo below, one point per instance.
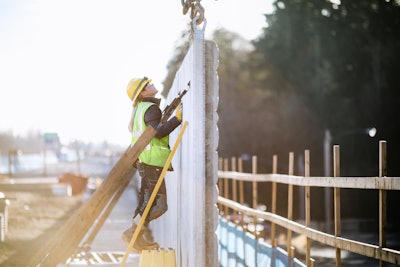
[{"x": 36, "y": 213}]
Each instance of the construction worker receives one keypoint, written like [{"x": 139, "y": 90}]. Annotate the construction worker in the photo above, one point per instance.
[{"x": 146, "y": 112}]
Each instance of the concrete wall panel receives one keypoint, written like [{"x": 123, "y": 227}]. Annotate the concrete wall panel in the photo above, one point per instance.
[{"x": 191, "y": 220}]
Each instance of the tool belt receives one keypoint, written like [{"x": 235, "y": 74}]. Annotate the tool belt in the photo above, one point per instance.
[
  {"x": 140, "y": 166},
  {"x": 150, "y": 175}
]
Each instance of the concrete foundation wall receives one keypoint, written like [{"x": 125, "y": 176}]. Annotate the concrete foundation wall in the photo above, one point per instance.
[{"x": 190, "y": 224}]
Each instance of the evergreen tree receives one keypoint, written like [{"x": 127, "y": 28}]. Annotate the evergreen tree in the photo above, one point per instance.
[{"x": 341, "y": 59}]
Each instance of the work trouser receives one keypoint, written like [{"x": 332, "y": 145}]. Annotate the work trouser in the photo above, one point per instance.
[{"x": 150, "y": 176}]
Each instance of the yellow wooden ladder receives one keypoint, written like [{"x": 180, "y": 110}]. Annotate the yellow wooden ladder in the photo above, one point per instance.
[{"x": 160, "y": 257}]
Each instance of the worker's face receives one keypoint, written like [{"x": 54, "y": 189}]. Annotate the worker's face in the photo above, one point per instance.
[{"x": 149, "y": 91}]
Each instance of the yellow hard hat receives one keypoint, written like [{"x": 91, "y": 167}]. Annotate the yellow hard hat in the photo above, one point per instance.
[{"x": 135, "y": 86}]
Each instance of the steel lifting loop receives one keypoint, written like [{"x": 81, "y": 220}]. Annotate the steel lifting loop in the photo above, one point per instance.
[
  {"x": 198, "y": 33},
  {"x": 196, "y": 10},
  {"x": 186, "y": 5}
]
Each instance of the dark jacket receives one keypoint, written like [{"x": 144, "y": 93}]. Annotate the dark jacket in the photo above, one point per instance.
[{"x": 153, "y": 115}]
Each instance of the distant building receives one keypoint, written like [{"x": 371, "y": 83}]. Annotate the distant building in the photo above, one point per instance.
[{"x": 52, "y": 142}]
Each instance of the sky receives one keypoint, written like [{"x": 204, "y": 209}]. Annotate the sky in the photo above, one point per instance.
[{"x": 65, "y": 64}]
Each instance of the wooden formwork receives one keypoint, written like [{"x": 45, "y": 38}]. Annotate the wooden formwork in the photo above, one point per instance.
[{"x": 382, "y": 183}]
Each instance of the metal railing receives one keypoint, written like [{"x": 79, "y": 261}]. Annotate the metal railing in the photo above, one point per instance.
[{"x": 231, "y": 204}]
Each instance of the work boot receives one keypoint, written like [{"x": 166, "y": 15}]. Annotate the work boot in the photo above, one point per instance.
[{"x": 140, "y": 243}]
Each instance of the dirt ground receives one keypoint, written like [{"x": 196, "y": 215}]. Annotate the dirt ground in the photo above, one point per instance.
[{"x": 34, "y": 217}]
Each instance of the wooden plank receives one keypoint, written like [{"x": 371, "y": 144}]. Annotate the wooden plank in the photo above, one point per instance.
[
  {"x": 387, "y": 183},
  {"x": 112, "y": 257},
  {"x": 106, "y": 213},
  {"x": 97, "y": 258},
  {"x": 67, "y": 239}
]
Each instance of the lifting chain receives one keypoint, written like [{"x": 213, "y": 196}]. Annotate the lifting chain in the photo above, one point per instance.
[{"x": 196, "y": 10}]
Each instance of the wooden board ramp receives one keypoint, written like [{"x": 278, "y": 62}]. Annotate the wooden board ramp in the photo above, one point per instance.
[{"x": 67, "y": 239}]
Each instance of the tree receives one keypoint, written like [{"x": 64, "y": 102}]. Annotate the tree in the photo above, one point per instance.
[
  {"x": 176, "y": 60},
  {"x": 341, "y": 59},
  {"x": 254, "y": 119},
  {"x": 31, "y": 143}
]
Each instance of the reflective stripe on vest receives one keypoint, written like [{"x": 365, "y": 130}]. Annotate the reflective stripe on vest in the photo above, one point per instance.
[{"x": 157, "y": 151}]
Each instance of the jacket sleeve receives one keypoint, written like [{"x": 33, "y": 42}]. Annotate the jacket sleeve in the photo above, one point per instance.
[{"x": 152, "y": 117}]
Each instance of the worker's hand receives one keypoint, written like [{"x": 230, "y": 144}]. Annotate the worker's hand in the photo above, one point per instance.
[{"x": 178, "y": 112}]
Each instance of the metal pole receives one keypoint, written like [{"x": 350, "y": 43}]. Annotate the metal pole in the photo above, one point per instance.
[
  {"x": 44, "y": 162},
  {"x": 10, "y": 162}
]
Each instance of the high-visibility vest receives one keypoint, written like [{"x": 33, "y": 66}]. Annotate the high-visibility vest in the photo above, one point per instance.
[{"x": 157, "y": 151}]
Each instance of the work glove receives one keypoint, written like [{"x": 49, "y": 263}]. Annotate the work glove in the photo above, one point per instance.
[{"x": 178, "y": 112}]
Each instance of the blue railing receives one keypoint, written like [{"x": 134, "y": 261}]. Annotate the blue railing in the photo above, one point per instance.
[{"x": 239, "y": 248}]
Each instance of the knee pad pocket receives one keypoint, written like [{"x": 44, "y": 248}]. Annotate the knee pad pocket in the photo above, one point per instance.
[{"x": 159, "y": 208}]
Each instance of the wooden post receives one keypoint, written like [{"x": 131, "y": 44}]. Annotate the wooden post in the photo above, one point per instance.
[
  {"x": 312, "y": 262},
  {"x": 220, "y": 161},
  {"x": 336, "y": 196},
  {"x": 291, "y": 257},
  {"x": 68, "y": 237},
  {"x": 292, "y": 252},
  {"x": 226, "y": 188},
  {"x": 382, "y": 199},
  {"x": 220, "y": 183},
  {"x": 290, "y": 203},
  {"x": 255, "y": 193},
  {"x": 273, "y": 208},
  {"x": 241, "y": 199},
  {"x": 254, "y": 171},
  {"x": 308, "y": 204},
  {"x": 241, "y": 190},
  {"x": 234, "y": 188}
]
